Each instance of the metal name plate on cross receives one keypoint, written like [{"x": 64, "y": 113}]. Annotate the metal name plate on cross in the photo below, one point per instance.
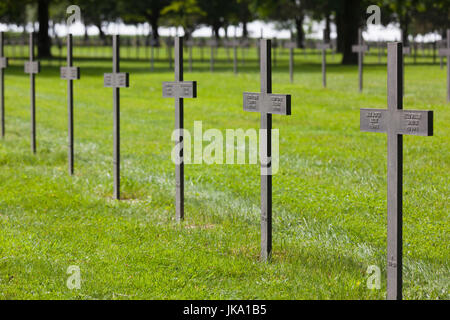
[
  {"x": 32, "y": 68},
  {"x": 179, "y": 90},
  {"x": 267, "y": 104},
  {"x": 396, "y": 122},
  {"x": 116, "y": 80},
  {"x": 360, "y": 48},
  {"x": 70, "y": 73},
  {"x": 3, "y": 66},
  {"x": 445, "y": 52}
]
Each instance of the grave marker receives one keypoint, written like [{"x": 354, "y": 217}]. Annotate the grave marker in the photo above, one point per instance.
[
  {"x": 267, "y": 104},
  {"x": 70, "y": 73},
  {"x": 360, "y": 48},
  {"x": 213, "y": 45},
  {"x": 291, "y": 45},
  {"x": 3, "y": 66},
  {"x": 116, "y": 80},
  {"x": 446, "y": 52},
  {"x": 179, "y": 90},
  {"x": 324, "y": 46},
  {"x": 395, "y": 122},
  {"x": 32, "y": 68},
  {"x": 234, "y": 44}
]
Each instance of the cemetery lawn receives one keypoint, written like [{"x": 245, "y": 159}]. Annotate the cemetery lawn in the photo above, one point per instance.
[{"x": 329, "y": 196}]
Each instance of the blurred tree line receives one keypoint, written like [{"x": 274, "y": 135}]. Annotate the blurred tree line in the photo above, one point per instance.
[{"x": 413, "y": 16}]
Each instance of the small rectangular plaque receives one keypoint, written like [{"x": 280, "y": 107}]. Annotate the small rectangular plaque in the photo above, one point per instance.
[
  {"x": 3, "y": 62},
  {"x": 322, "y": 46},
  {"x": 268, "y": 103},
  {"x": 360, "y": 48},
  {"x": 406, "y": 50},
  {"x": 444, "y": 52},
  {"x": 183, "y": 89},
  {"x": 407, "y": 122},
  {"x": 70, "y": 73},
  {"x": 32, "y": 67},
  {"x": 116, "y": 80}
]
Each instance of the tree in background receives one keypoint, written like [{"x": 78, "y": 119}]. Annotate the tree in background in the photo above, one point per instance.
[
  {"x": 218, "y": 14},
  {"x": 184, "y": 13},
  {"x": 143, "y": 11}
]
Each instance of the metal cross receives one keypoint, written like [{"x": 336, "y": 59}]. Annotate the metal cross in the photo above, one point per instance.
[
  {"x": 3, "y": 65},
  {"x": 396, "y": 122},
  {"x": 291, "y": 45},
  {"x": 70, "y": 73},
  {"x": 213, "y": 45},
  {"x": 116, "y": 80},
  {"x": 324, "y": 46},
  {"x": 446, "y": 52},
  {"x": 267, "y": 104},
  {"x": 234, "y": 44},
  {"x": 32, "y": 68},
  {"x": 360, "y": 48},
  {"x": 179, "y": 90}
]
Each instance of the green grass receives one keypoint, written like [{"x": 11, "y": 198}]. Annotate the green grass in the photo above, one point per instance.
[{"x": 329, "y": 197}]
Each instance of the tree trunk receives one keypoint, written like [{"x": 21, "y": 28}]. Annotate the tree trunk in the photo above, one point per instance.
[
  {"x": 349, "y": 24},
  {"x": 44, "y": 43},
  {"x": 327, "y": 28},
  {"x": 244, "y": 30},
  {"x": 155, "y": 34},
  {"x": 300, "y": 37}
]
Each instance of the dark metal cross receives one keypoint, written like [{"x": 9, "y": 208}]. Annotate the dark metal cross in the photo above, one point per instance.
[
  {"x": 234, "y": 44},
  {"x": 291, "y": 45},
  {"x": 32, "y": 68},
  {"x": 70, "y": 73},
  {"x": 396, "y": 122},
  {"x": 179, "y": 90},
  {"x": 3, "y": 65},
  {"x": 267, "y": 104},
  {"x": 360, "y": 48},
  {"x": 324, "y": 46},
  {"x": 116, "y": 80},
  {"x": 213, "y": 45},
  {"x": 446, "y": 52}
]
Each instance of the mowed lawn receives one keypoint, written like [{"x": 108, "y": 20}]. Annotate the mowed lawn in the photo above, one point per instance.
[{"x": 329, "y": 196}]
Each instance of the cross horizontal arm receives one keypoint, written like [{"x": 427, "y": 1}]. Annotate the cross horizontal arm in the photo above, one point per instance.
[
  {"x": 3, "y": 62},
  {"x": 116, "y": 80},
  {"x": 180, "y": 89},
  {"x": 323, "y": 46},
  {"x": 32, "y": 67},
  {"x": 290, "y": 45},
  {"x": 70, "y": 73},
  {"x": 360, "y": 48},
  {"x": 444, "y": 52},
  {"x": 267, "y": 103},
  {"x": 407, "y": 122}
]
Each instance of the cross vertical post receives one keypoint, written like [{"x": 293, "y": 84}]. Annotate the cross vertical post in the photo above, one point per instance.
[
  {"x": 446, "y": 52},
  {"x": 360, "y": 48},
  {"x": 70, "y": 73},
  {"x": 323, "y": 47},
  {"x": 267, "y": 104},
  {"x": 3, "y": 65},
  {"x": 396, "y": 122},
  {"x": 179, "y": 90},
  {"x": 116, "y": 80},
  {"x": 179, "y": 125},
  {"x": 291, "y": 45},
  {"x": 32, "y": 68},
  {"x": 395, "y": 173}
]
